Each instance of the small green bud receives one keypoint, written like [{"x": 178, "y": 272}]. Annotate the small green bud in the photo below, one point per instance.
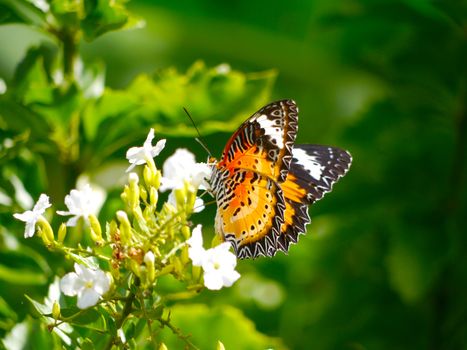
[
  {"x": 147, "y": 176},
  {"x": 196, "y": 272},
  {"x": 62, "y": 232},
  {"x": 135, "y": 267},
  {"x": 163, "y": 347},
  {"x": 96, "y": 230},
  {"x": 149, "y": 262},
  {"x": 157, "y": 179},
  {"x": 220, "y": 346},
  {"x": 153, "y": 196},
  {"x": 180, "y": 197},
  {"x": 56, "y": 310},
  {"x": 143, "y": 193},
  {"x": 47, "y": 233},
  {"x": 186, "y": 232},
  {"x": 125, "y": 226},
  {"x": 133, "y": 190},
  {"x": 185, "y": 259}
]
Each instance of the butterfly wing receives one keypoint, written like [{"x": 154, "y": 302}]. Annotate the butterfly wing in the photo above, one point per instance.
[
  {"x": 313, "y": 171},
  {"x": 246, "y": 180}
]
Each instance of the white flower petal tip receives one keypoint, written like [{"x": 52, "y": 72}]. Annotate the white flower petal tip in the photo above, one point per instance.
[
  {"x": 88, "y": 284},
  {"x": 140, "y": 155},
  {"x": 181, "y": 167},
  {"x": 30, "y": 217}
]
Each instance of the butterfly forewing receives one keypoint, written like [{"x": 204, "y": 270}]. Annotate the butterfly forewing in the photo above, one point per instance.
[{"x": 264, "y": 142}]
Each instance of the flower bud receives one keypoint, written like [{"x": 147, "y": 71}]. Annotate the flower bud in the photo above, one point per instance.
[
  {"x": 184, "y": 257},
  {"x": 180, "y": 196},
  {"x": 47, "y": 233},
  {"x": 62, "y": 232},
  {"x": 56, "y": 310},
  {"x": 186, "y": 232},
  {"x": 149, "y": 261},
  {"x": 153, "y": 196},
  {"x": 96, "y": 230},
  {"x": 143, "y": 193},
  {"x": 125, "y": 226},
  {"x": 133, "y": 190},
  {"x": 220, "y": 346},
  {"x": 163, "y": 347}
]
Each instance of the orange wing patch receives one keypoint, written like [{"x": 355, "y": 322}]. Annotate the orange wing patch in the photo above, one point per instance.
[{"x": 250, "y": 214}]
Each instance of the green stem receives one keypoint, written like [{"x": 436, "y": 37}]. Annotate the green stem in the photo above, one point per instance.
[{"x": 127, "y": 309}]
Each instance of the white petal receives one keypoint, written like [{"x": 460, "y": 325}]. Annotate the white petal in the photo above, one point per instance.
[
  {"x": 25, "y": 217},
  {"x": 30, "y": 229},
  {"x": 42, "y": 204},
  {"x": 158, "y": 148},
  {"x": 101, "y": 282},
  {"x": 69, "y": 284},
  {"x": 196, "y": 239},
  {"x": 134, "y": 153},
  {"x": 228, "y": 278},
  {"x": 87, "y": 298},
  {"x": 213, "y": 280},
  {"x": 72, "y": 221},
  {"x": 196, "y": 252},
  {"x": 199, "y": 205},
  {"x": 149, "y": 138},
  {"x": 131, "y": 167}
]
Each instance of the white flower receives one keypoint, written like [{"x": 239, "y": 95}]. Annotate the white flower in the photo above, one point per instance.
[
  {"x": 218, "y": 263},
  {"x": 139, "y": 155},
  {"x": 219, "y": 267},
  {"x": 88, "y": 284},
  {"x": 30, "y": 217},
  {"x": 182, "y": 166},
  {"x": 81, "y": 203},
  {"x": 196, "y": 252}
]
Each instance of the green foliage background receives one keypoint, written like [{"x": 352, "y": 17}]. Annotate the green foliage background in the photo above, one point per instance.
[{"x": 383, "y": 264}]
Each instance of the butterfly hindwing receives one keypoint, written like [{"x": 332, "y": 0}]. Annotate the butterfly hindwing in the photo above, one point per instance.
[
  {"x": 250, "y": 213},
  {"x": 316, "y": 168},
  {"x": 313, "y": 172}
]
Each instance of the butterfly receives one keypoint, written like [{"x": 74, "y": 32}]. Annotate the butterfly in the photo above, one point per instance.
[{"x": 264, "y": 182}]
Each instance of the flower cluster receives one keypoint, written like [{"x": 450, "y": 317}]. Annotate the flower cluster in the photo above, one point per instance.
[{"x": 147, "y": 240}]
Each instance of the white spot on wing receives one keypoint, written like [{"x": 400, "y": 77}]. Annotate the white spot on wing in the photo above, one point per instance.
[
  {"x": 270, "y": 129},
  {"x": 309, "y": 162}
]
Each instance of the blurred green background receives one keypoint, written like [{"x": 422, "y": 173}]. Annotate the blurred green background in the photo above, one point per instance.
[{"x": 383, "y": 265}]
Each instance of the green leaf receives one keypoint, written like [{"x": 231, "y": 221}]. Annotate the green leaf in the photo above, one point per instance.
[
  {"x": 20, "y": 12},
  {"x": 103, "y": 16},
  {"x": 207, "y": 325}
]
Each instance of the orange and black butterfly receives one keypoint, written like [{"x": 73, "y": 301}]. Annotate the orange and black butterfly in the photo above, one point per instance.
[{"x": 264, "y": 183}]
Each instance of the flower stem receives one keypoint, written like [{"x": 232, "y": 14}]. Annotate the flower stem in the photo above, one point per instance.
[{"x": 127, "y": 309}]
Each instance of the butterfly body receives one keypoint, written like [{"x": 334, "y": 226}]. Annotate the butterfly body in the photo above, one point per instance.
[{"x": 264, "y": 183}]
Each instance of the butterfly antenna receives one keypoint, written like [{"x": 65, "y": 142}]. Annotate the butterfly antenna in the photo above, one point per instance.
[{"x": 199, "y": 138}]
